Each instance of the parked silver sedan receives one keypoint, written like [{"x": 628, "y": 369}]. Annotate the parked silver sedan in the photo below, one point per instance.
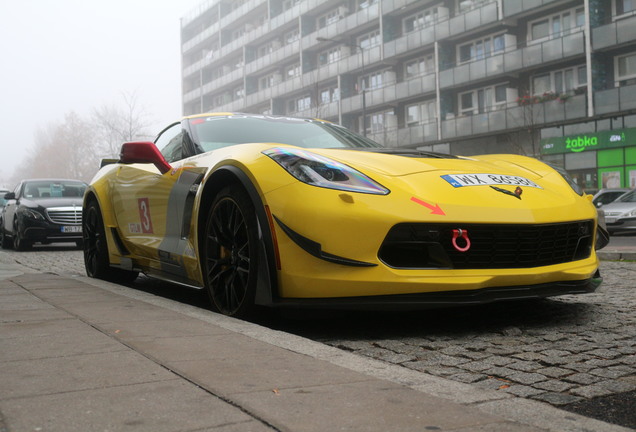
[{"x": 620, "y": 215}]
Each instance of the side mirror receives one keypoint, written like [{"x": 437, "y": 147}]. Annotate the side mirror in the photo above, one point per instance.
[
  {"x": 143, "y": 152},
  {"x": 9, "y": 196}
]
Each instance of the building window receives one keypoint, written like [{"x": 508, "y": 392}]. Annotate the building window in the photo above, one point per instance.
[
  {"x": 266, "y": 49},
  {"x": 482, "y": 100},
  {"x": 266, "y": 82},
  {"x": 329, "y": 94},
  {"x": 419, "y": 66},
  {"x": 330, "y": 56},
  {"x": 625, "y": 67},
  {"x": 292, "y": 71},
  {"x": 298, "y": 104},
  {"x": 378, "y": 121},
  {"x": 556, "y": 25},
  {"x": 421, "y": 113},
  {"x": 481, "y": 48},
  {"x": 559, "y": 81},
  {"x": 291, "y": 36},
  {"x": 423, "y": 19},
  {"x": 238, "y": 33},
  {"x": 238, "y": 93},
  {"x": 369, "y": 40},
  {"x": 374, "y": 80},
  {"x": 331, "y": 17},
  {"x": 622, "y": 7}
]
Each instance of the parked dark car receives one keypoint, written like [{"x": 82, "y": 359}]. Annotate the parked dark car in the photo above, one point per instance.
[{"x": 42, "y": 211}]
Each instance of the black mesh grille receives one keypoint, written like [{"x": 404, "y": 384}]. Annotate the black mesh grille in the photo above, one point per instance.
[{"x": 492, "y": 245}]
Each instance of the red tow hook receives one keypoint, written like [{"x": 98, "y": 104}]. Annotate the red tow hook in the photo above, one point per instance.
[{"x": 463, "y": 234}]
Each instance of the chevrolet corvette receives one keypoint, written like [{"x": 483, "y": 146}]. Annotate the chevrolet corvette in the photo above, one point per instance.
[{"x": 287, "y": 212}]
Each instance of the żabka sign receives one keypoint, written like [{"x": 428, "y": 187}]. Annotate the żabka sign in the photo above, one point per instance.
[
  {"x": 579, "y": 144},
  {"x": 592, "y": 141}
]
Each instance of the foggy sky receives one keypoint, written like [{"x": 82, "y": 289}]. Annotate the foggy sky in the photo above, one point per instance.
[{"x": 77, "y": 55}]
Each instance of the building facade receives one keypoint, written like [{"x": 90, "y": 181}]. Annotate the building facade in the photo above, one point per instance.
[{"x": 554, "y": 79}]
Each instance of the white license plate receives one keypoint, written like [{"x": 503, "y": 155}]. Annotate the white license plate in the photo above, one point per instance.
[
  {"x": 461, "y": 180},
  {"x": 72, "y": 229}
]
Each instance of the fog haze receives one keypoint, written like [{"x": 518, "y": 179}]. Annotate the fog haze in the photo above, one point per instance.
[{"x": 71, "y": 55}]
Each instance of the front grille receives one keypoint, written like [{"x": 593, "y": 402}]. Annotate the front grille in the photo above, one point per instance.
[
  {"x": 65, "y": 215},
  {"x": 416, "y": 245}
]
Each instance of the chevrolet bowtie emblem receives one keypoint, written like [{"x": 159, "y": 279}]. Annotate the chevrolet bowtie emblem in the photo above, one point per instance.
[{"x": 517, "y": 193}]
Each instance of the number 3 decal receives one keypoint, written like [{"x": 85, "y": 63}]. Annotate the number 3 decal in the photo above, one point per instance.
[{"x": 144, "y": 214}]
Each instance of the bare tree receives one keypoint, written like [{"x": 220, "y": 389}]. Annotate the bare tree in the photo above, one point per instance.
[
  {"x": 118, "y": 124},
  {"x": 61, "y": 150}
]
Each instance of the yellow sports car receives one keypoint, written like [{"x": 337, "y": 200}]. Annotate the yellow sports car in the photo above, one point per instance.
[{"x": 288, "y": 212}]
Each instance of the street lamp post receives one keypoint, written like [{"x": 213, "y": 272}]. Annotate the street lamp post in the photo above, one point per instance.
[{"x": 364, "y": 99}]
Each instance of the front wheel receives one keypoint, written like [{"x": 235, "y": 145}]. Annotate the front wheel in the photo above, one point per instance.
[
  {"x": 19, "y": 243},
  {"x": 230, "y": 256},
  {"x": 5, "y": 241},
  {"x": 96, "y": 259}
]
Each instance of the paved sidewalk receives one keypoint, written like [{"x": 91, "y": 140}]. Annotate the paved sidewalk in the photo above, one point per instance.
[{"x": 77, "y": 354}]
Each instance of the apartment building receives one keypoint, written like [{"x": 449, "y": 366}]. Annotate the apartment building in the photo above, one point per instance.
[{"x": 554, "y": 79}]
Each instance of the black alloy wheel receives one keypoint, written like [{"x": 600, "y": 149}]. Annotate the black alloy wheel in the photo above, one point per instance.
[
  {"x": 230, "y": 253},
  {"x": 19, "y": 243},
  {"x": 96, "y": 259}
]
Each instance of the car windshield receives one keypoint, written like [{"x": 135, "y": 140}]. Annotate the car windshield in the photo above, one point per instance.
[
  {"x": 629, "y": 197},
  {"x": 54, "y": 189},
  {"x": 214, "y": 132}
]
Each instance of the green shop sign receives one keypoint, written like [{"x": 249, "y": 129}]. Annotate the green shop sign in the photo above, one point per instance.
[{"x": 589, "y": 141}]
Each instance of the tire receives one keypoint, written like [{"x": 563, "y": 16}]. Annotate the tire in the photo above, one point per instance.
[
  {"x": 19, "y": 243},
  {"x": 6, "y": 242},
  {"x": 95, "y": 246},
  {"x": 230, "y": 255}
]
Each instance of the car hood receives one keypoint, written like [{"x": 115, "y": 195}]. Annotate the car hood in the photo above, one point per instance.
[
  {"x": 52, "y": 202},
  {"x": 395, "y": 162}
]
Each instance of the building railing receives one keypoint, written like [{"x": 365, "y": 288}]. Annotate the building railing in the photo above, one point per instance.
[
  {"x": 515, "y": 7},
  {"x": 615, "y": 100},
  {"x": 515, "y": 117},
  {"x": 617, "y": 32},
  {"x": 512, "y": 60}
]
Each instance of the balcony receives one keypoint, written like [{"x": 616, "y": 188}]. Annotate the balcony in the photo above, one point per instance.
[
  {"x": 475, "y": 18},
  {"x": 201, "y": 37},
  {"x": 615, "y": 100},
  {"x": 415, "y": 86},
  {"x": 616, "y": 33},
  {"x": 515, "y": 7},
  {"x": 417, "y": 135},
  {"x": 515, "y": 117},
  {"x": 277, "y": 56},
  {"x": 514, "y": 60}
]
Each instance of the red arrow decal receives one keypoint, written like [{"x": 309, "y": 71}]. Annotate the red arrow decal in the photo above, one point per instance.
[{"x": 435, "y": 209}]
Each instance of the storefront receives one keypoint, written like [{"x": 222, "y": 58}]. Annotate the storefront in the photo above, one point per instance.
[{"x": 605, "y": 159}]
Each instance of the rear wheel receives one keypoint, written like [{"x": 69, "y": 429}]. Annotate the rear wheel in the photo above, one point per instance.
[
  {"x": 230, "y": 253},
  {"x": 96, "y": 259}
]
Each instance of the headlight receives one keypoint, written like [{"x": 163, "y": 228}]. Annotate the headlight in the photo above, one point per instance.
[
  {"x": 321, "y": 171},
  {"x": 567, "y": 178},
  {"x": 33, "y": 214}
]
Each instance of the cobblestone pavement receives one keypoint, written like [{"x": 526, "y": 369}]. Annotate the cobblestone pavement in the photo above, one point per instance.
[{"x": 562, "y": 350}]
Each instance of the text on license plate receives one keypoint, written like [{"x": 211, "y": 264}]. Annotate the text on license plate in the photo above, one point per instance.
[
  {"x": 72, "y": 229},
  {"x": 461, "y": 180}
]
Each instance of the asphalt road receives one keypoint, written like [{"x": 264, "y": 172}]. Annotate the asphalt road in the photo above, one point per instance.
[{"x": 574, "y": 352}]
